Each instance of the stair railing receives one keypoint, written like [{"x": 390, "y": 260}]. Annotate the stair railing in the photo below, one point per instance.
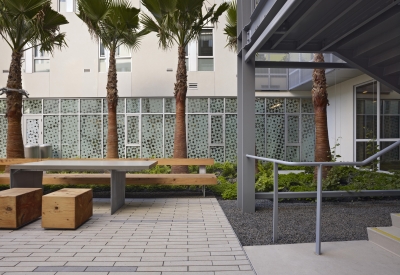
[{"x": 319, "y": 165}]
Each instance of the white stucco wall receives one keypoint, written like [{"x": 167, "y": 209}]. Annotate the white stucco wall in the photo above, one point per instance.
[{"x": 148, "y": 78}]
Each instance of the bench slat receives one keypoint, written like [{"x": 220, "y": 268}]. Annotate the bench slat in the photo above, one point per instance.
[{"x": 131, "y": 179}]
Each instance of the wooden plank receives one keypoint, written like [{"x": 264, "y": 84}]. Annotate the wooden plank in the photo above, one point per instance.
[
  {"x": 67, "y": 208},
  {"x": 131, "y": 179},
  {"x": 20, "y": 206},
  {"x": 162, "y": 161}
]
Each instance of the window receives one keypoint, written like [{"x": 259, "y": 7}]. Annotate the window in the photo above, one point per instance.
[
  {"x": 66, "y": 5},
  {"x": 187, "y": 57},
  {"x": 122, "y": 59},
  {"x": 377, "y": 119},
  {"x": 205, "y": 52},
  {"x": 41, "y": 61}
]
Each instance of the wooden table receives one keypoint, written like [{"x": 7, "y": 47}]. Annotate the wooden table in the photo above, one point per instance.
[{"x": 31, "y": 174}]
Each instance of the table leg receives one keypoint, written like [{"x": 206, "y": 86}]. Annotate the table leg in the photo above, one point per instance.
[
  {"x": 117, "y": 187},
  {"x": 25, "y": 179}
]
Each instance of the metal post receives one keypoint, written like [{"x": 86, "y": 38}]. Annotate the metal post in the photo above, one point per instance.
[
  {"x": 246, "y": 124},
  {"x": 319, "y": 202},
  {"x": 275, "y": 206}
]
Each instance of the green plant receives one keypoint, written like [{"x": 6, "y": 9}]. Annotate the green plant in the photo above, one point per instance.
[{"x": 230, "y": 193}]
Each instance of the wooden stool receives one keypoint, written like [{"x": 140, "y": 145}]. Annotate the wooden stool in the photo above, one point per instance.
[
  {"x": 20, "y": 206},
  {"x": 67, "y": 208}
]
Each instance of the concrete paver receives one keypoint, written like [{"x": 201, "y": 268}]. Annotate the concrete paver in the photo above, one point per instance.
[{"x": 146, "y": 236}]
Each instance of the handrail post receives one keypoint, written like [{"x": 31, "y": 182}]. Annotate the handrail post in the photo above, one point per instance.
[
  {"x": 319, "y": 203},
  {"x": 275, "y": 206}
]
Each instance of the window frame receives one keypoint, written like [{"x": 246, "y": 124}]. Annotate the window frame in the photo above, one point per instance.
[
  {"x": 42, "y": 57},
  {"x": 206, "y": 57}
]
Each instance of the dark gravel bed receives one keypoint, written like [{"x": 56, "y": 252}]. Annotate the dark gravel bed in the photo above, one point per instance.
[{"x": 341, "y": 221}]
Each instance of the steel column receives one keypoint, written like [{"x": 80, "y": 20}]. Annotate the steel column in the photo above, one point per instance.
[
  {"x": 319, "y": 202},
  {"x": 275, "y": 206}
]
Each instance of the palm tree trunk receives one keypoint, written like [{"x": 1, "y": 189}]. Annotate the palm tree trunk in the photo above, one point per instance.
[
  {"x": 320, "y": 102},
  {"x": 15, "y": 144},
  {"x": 112, "y": 100},
  {"x": 180, "y": 147}
]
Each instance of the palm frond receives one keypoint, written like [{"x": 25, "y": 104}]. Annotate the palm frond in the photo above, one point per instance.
[{"x": 230, "y": 29}]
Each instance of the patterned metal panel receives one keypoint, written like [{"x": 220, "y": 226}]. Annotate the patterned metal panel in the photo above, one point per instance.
[
  {"x": 120, "y": 106},
  {"x": 32, "y": 131},
  {"x": 32, "y": 106},
  {"x": 197, "y": 136},
  {"x": 293, "y": 105},
  {"x": 276, "y": 136},
  {"x": 293, "y": 153},
  {"x": 307, "y": 106},
  {"x": 275, "y": 105},
  {"x": 169, "y": 134},
  {"x": 69, "y": 136},
  {"x": 132, "y": 152},
  {"x": 197, "y": 105},
  {"x": 217, "y": 129},
  {"x": 293, "y": 129},
  {"x": 3, "y": 136},
  {"x": 91, "y": 136},
  {"x": 152, "y": 105},
  {"x": 307, "y": 138},
  {"x": 231, "y": 138},
  {"x": 230, "y": 105},
  {"x": 152, "y": 136},
  {"x": 133, "y": 129},
  {"x": 217, "y": 153},
  {"x": 51, "y": 106},
  {"x": 260, "y": 135},
  {"x": 91, "y": 106},
  {"x": 170, "y": 105},
  {"x": 217, "y": 105},
  {"x": 120, "y": 132},
  {"x": 132, "y": 105},
  {"x": 69, "y": 106},
  {"x": 3, "y": 106},
  {"x": 260, "y": 105},
  {"x": 51, "y": 133}
]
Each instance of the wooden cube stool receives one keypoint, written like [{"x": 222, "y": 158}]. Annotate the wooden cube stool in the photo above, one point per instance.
[
  {"x": 19, "y": 206},
  {"x": 67, "y": 208}
]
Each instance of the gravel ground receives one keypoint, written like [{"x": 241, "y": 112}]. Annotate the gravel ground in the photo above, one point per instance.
[{"x": 341, "y": 221}]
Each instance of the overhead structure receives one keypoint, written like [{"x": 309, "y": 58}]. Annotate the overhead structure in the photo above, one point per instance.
[{"x": 363, "y": 33}]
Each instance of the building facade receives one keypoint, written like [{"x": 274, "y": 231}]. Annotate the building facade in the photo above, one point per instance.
[{"x": 67, "y": 109}]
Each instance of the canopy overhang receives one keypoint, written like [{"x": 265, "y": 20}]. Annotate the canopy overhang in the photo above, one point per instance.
[{"x": 364, "y": 33}]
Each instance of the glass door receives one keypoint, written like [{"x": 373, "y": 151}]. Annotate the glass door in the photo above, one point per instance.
[{"x": 32, "y": 129}]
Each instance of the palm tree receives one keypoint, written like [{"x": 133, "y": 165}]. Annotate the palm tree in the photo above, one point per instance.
[
  {"x": 115, "y": 23},
  {"x": 177, "y": 22},
  {"x": 320, "y": 102},
  {"x": 24, "y": 25},
  {"x": 231, "y": 26}
]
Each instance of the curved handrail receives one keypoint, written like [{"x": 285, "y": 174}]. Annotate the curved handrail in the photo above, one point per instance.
[{"x": 319, "y": 186}]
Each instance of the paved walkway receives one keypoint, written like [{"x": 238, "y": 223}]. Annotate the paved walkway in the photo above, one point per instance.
[
  {"x": 344, "y": 258},
  {"x": 147, "y": 236}
]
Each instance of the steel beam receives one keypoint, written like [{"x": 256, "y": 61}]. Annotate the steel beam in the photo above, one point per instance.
[
  {"x": 296, "y": 23},
  {"x": 302, "y": 65},
  {"x": 349, "y": 32},
  {"x": 393, "y": 34},
  {"x": 389, "y": 14},
  {"x": 280, "y": 17},
  {"x": 375, "y": 72},
  {"x": 392, "y": 69},
  {"x": 290, "y": 46},
  {"x": 320, "y": 27},
  {"x": 385, "y": 56}
]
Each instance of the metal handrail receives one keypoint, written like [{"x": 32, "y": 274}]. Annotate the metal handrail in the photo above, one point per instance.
[{"x": 319, "y": 186}]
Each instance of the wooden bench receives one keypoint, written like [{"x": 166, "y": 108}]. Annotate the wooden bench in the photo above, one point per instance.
[
  {"x": 20, "y": 206},
  {"x": 201, "y": 179},
  {"x": 67, "y": 208}
]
